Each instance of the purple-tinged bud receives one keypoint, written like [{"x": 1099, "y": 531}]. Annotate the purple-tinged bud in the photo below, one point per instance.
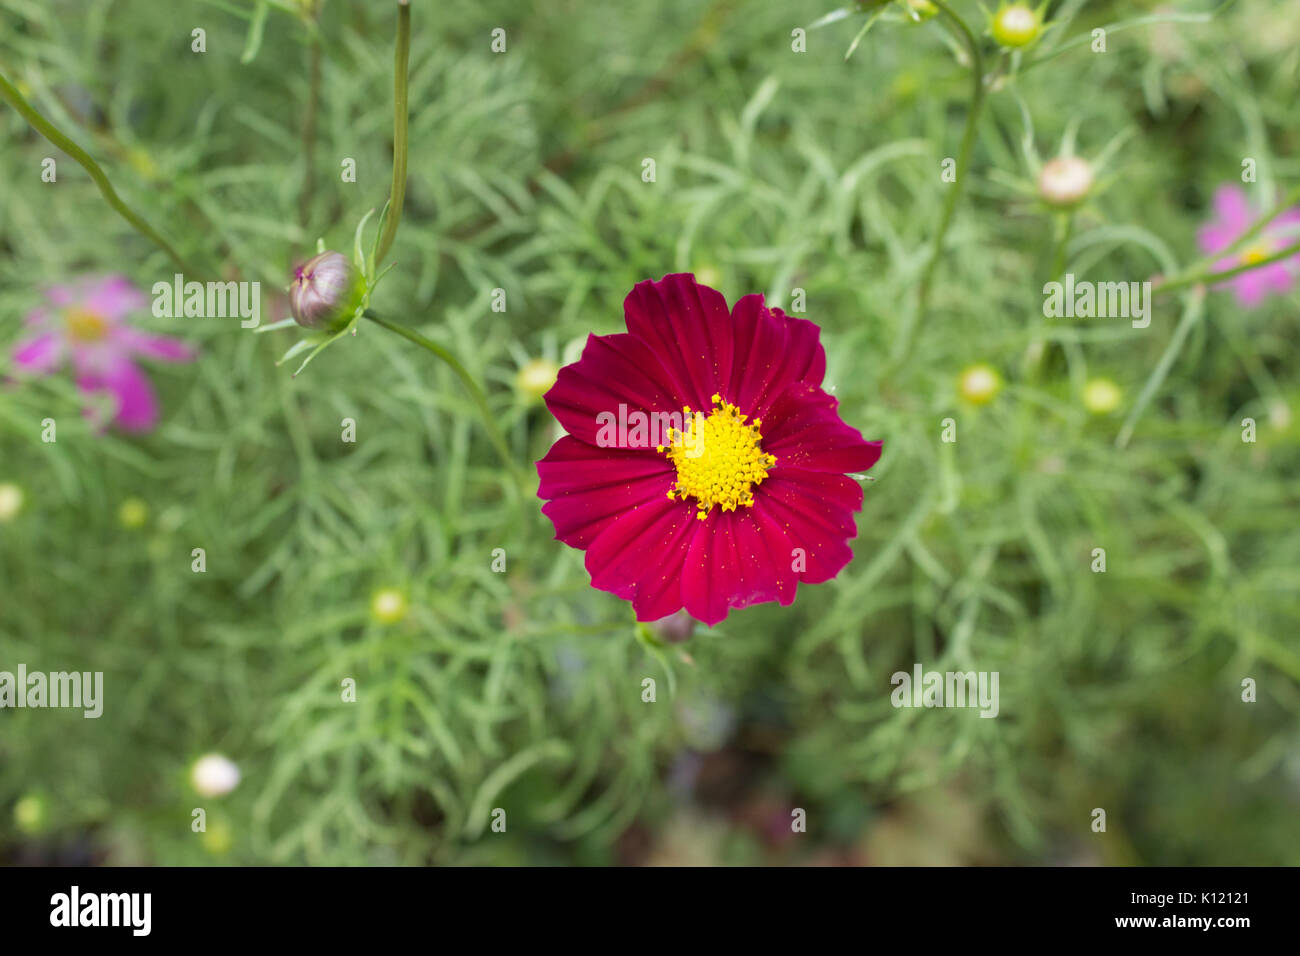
[
  {"x": 326, "y": 291},
  {"x": 675, "y": 628}
]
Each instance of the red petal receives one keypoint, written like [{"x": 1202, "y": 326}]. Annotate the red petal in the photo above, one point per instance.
[
  {"x": 591, "y": 487},
  {"x": 773, "y": 351},
  {"x": 803, "y": 429},
  {"x": 813, "y": 511},
  {"x": 638, "y": 556},
  {"x": 711, "y": 572},
  {"x": 737, "y": 558},
  {"x": 688, "y": 327},
  {"x": 614, "y": 370}
]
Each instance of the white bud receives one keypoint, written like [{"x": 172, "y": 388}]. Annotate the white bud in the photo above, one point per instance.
[
  {"x": 214, "y": 775},
  {"x": 1065, "y": 180}
]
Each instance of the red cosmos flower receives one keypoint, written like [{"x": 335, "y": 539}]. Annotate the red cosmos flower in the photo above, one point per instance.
[{"x": 704, "y": 465}]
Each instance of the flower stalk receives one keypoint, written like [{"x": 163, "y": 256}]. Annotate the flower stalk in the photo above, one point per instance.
[
  {"x": 1194, "y": 276},
  {"x": 9, "y": 93},
  {"x": 309, "y": 131},
  {"x": 1200, "y": 270},
  {"x": 467, "y": 380},
  {"x": 401, "y": 110},
  {"x": 954, "y": 194}
]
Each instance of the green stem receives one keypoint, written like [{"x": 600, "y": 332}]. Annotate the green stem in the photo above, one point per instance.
[
  {"x": 1064, "y": 225},
  {"x": 1204, "y": 275},
  {"x": 1192, "y": 312},
  {"x": 397, "y": 194},
  {"x": 471, "y": 386},
  {"x": 963, "y": 162},
  {"x": 1285, "y": 203},
  {"x": 309, "y": 133},
  {"x": 47, "y": 129}
]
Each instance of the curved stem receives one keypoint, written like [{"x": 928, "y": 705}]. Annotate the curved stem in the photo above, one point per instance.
[
  {"x": 471, "y": 386},
  {"x": 47, "y": 129},
  {"x": 1258, "y": 226},
  {"x": 1192, "y": 311},
  {"x": 397, "y": 194},
  {"x": 954, "y": 194},
  {"x": 1204, "y": 275}
]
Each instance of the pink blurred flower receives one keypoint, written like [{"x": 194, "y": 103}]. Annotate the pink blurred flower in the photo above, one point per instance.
[
  {"x": 86, "y": 324},
  {"x": 1233, "y": 216}
]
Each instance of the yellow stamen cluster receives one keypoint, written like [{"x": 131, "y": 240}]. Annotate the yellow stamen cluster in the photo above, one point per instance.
[
  {"x": 85, "y": 326},
  {"x": 1256, "y": 253},
  {"x": 718, "y": 458}
]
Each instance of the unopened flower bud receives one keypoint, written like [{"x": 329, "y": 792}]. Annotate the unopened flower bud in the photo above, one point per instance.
[
  {"x": 1016, "y": 26},
  {"x": 326, "y": 292},
  {"x": 218, "y": 837},
  {"x": 1101, "y": 396},
  {"x": 920, "y": 10},
  {"x": 214, "y": 775},
  {"x": 536, "y": 377},
  {"x": 674, "y": 628},
  {"x": 11, "y": 501},
  {"x": 133, "y": 513},
  {"x": 1065, "y": 180},
  {"x": 31, "y": 814},
  {"x": 979, "y": 384},
  {"x": 388, "y": 605}
]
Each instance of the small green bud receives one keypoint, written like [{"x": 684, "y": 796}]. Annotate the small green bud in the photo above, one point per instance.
[
  {"x": 11, "y": 501},
  {"x": 31, "y": 814},
  {"x": 326, "y": 291},
  {"x": 388, "y": 605},
  {"x": 920, "y": 10},
  {"x": 1017, "y": 25},
  {"x": 1101, "y": 396},
  {"x": 536, "y": 377},
  {"x": 979, "y": 384},
  {"x": 133, "y": 513}
]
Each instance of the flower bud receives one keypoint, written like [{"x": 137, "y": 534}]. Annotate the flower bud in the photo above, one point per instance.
[
  {"x": 326, "y": 291},
  {"x": 133, "y": 514},
  {"x": 31, "y": 814},
  {"x": 979, "y": 384},
  {"x": 675, "y": 628},
  {"x": 11, "y": 501},
  {"x": 1016, "y": 26},
  {"x": 536, "y": 377},
  {"x": 1101, "y": 396},
  {"x": 218, "y": 837},
  {"x": 388, "y": 605},
  {"x": 1065, "y": 180},
  {"x": 920, "y": 10},
  {"x": 214, "y": 775}
]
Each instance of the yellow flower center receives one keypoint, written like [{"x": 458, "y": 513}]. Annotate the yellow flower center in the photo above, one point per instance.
[
  {"x": 84, "y": 326},
  {"x": 718, "y": 458},
  {"x": 1256, "y": 253}
]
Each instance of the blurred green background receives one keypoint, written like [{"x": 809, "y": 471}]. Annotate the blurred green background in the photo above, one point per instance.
[{"x": 776, "y": 170}]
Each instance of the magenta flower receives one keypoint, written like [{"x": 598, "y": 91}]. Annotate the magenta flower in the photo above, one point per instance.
[
  {"x": 86, "y": 325},
  {"x": 1233, "y": 217},
  {"x": 704, "y": 466}
]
